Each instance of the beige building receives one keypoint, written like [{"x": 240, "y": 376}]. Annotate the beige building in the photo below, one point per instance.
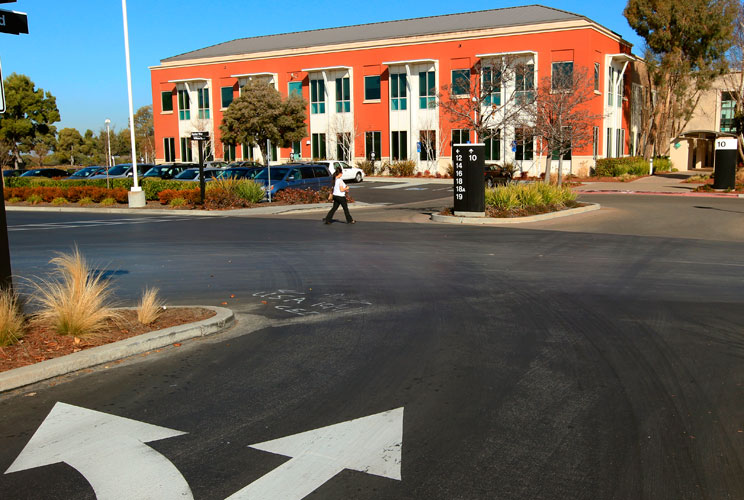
[{"x": 713, "y": 117}]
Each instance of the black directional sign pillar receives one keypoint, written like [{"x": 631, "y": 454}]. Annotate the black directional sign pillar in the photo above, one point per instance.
[
  {"x": 201, "y": 138},
  {"x": 469, "y": 185}
]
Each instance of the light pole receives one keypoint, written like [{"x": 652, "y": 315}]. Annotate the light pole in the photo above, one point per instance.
[
  {"x": 136, "y": 195},
  {"x": 108, "y": 158}
]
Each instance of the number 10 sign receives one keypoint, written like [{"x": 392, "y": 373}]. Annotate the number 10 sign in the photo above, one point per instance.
[{"x": 469, "y": 183}]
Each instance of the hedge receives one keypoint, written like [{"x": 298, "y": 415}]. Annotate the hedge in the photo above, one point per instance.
[
  {"x": 633, "y": 165},
  {"x": 151, "y": 187}
]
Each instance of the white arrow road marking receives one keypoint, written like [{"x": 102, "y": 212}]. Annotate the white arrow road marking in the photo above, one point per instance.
[
  {"x": 369, "y": 444},
  {"x": 109, "y": 451}
]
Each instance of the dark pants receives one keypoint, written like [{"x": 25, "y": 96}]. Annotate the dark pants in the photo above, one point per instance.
[{"x": 339, "y": 200}]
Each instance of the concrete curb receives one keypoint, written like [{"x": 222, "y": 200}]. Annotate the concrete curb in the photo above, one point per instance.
[
  {"x": 659, "y": 193},
  {"x": 492, "y": 221},
  {"x": 25, "y": 375}
]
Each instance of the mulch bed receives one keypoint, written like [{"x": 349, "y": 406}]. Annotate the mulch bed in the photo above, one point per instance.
[{"x": 41, "y": 342}]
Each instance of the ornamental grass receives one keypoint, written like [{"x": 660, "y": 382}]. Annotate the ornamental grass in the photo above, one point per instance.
[
  {"x": 75, "y": 301},
  {"x": 150, "y": 307},
  {"x": 538, "y": 195},
  {"x": 12, "y": 321}
]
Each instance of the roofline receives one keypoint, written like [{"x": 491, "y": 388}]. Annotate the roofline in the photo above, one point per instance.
[{"x": 580, "y": 23}]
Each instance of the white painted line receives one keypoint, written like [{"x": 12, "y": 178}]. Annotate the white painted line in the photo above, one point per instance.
[
  {"x": 109, "y": 451},
  {"x": 417, "y": 189},
  {"x": 370, "y": 444},
  {"x": 394, "y": 186}
]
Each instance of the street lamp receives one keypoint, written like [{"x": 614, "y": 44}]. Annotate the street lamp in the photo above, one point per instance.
[
  {"x": 108, "y": 158},
  {"x": 136, "y": 195}
]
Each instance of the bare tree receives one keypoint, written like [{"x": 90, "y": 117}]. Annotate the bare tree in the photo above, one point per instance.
[
  {"x": 345, "y": 132},
  {"x": 560, "y": 117},
  {"x": 494, "y": 94}
]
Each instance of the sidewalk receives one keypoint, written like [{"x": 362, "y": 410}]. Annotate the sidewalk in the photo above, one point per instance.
[{"x": 660, "y": 184}]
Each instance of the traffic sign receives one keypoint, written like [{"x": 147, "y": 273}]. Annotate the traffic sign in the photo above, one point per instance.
[
  {"x": 199, "y": 136},
  {"x": 13, "y": 22}
]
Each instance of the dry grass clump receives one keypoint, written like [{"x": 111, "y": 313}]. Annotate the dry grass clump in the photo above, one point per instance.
[
  {"x": 76, "y": 302},
  {"x": 11, "y": 318},
  {"x": 150, "y": 307}
]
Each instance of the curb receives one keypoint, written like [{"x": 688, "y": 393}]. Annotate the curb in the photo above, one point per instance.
[
  {"x": 659, "y": 193},
  {"x": 492, "y": 221},
  {"x": 25, "y": 375}
]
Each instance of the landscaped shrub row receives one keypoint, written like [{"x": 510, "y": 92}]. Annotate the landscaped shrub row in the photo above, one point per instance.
[
  {"x": 396, "y": 169},
  {"x": 631, "y": 165},
  {"x": 151, "y": 187},
  {"x": 538, "y": 195},
  {"x": 72, "y": 194}
]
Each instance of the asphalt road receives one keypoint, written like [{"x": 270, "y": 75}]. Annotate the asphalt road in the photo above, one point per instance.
[{"x": 547, "y": 363}]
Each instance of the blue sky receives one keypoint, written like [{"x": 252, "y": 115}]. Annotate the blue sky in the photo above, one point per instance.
[{"x": 75, "y": 50}]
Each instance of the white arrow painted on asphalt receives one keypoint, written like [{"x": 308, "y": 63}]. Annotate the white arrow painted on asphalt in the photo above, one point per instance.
[
  {"x": 369, "y": 444},
  {"x": 109, "y": 451}
]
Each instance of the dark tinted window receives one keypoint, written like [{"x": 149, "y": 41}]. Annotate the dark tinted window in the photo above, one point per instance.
[
  {"x": 307, "y": 172},
  {"x": 321, "y": 171}
]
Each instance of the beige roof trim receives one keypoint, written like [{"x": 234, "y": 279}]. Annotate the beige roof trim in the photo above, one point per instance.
[{"x": 397, "y": 42}]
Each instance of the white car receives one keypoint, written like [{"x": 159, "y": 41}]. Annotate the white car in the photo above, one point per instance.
[{"x": 350, "y": 173}]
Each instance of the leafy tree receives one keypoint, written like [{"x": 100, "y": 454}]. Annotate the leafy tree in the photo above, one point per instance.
[
  {"x": 687, "y": 41},
  {"x": 69, "y": 146},
  {"x": 29, "y": 114},
  {"x": 45, "y": 145},
  {"x": 260, "y": 114},
  {"x": 144, "y": 132}
]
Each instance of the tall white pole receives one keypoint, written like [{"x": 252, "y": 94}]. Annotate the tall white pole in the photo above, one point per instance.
[{"x": 131, "y": 106}]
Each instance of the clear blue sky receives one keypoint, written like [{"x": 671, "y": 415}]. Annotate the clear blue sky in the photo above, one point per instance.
[{"x": 75, "y": 49}]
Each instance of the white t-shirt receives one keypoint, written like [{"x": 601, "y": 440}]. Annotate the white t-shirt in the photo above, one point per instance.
[{"x": 337, "y": 187}]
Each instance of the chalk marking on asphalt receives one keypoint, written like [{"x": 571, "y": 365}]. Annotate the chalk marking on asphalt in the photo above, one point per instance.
[
  {"x": 369, "y": 444},
  {"x": 109, "y": 451}
]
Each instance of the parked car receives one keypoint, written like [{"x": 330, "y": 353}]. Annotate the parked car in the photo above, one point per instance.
[
  {"x": 238, "y": 172},
  {"x": 167, "y": 171},
  {"x": 86, "y": 172},
  {"x": 299, "y": 176},
  {"x": 350, "y": 173},
  {"x": 123, "y": 171},
  {"x": 215, "y": 164},
  {"x": 495, "y": 174},
  {"x": 45, "y": 172},
  {"x": 246, "y": 163},
  {"x": 192, "y": 174},
  {"x": 12, "y": 173}
]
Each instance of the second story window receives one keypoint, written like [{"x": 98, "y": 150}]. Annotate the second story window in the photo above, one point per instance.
[
  {"x": 728, "y": 109},
  {"x": 226, "y": 93},
  {"x": 562, "y": 76},
  {"x": 461, "y": 81},
  {"x": 343, "y": 95},
  {"x": 372, "y": 88},
  {"x": 202, "y": 96},
  {"x": 398, "y": 92},
  {"x": 427, "y": 90},
  {"x": 166, "y": 99},
  {"x": 596, "y": 77},
  {"x": 317, "y": 97},
  {"x": 491, "y": 86},
  {"x": 524, "y": 81},
  {"x": 294, "y": 88},
  {"x": 184, "y": 105}
]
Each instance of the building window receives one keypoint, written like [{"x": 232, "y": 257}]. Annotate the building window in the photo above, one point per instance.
[
  {"x": 373, "y": 144},
  {"x": 203, "y": 101},
  {"x": 273, "y": 153},
  {"x": 427, "y": 90},
  {"x": 317, "y": 97},
  {"x": 184, "y": 105},
  {"x": 227, "y": 96},
  {"x": 169, "y": 146},
  {"x": 186, "y": 155},
  {"x": 608, "y": 145},
  {"x": 399, "y": 145},
  {"x": 596, "y": 77},
  {"x": 493, "y": 147},
  {"x": 343, "y": 146},
  {"x": 620, "y": 133},
  {"x": 461, "y": 81},
  {"x": 296, "y": 150},
  {"x": 525, "y": 146},
  {"x": 398, "y": 92},
  {"x": 318, "y": 146},
  {"x": 595, "y": 142},
  {"x": 343, "y": 95},
  {"x": 166, "y": 98},
  {"x": 372, "y": 88},
  {"x": 460, "y": 136},
  {"x": 491, "y": 86},
  {"x": 728, "y": 108},
  {"x": 428, "y": 145},
  {"x": 294, "y": 88},
  {"x": 229, "y": 152},
  {"x": 562, "y": 76},
  {"x": 247, "y": 151},
  {"x": 524, "y": 82},
  {"x": 615, "y": 92}
]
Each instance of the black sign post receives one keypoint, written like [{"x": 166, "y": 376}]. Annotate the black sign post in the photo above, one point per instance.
[
  {"x": 201, "y": 138},
  {"x": 727, "y": 152},
  {"x": 470, "y": 184}
]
